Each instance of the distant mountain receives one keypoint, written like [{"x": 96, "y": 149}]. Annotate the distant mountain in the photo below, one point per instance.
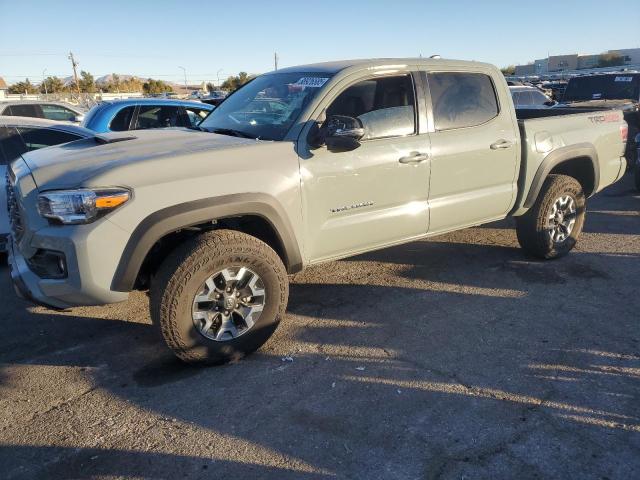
[{"x": 105, "y": 79}]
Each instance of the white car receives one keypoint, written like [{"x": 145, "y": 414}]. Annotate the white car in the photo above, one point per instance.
[
  {"x": 24, "y": 134},
  {"x": 58, "y": 111},
  {"x": 530, "y": 97}
]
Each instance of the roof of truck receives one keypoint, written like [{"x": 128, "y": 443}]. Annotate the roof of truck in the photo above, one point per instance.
[{"x": 336, "y": 66}]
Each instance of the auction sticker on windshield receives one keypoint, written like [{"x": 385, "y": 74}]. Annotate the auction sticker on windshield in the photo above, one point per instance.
[{"x": 312, "y": 82}]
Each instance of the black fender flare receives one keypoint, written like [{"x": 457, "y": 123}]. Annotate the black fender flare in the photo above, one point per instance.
[
  {"x": 555, "y": 158},
  {"x": 183, "y": 215}
]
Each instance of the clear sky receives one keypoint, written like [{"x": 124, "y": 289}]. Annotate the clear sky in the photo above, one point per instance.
[{"x": 153, "y": 38}]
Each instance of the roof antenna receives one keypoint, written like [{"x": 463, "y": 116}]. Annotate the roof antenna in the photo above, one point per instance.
[{"x": 435, "y": 57}]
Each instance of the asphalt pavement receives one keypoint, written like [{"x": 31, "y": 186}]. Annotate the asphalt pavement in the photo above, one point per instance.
[{"x": 455, "y": 357}]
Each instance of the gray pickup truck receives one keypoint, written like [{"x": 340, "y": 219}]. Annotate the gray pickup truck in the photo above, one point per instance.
[{"x": 300, "y": 166}]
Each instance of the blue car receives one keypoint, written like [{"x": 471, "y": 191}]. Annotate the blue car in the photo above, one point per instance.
[{"x": 144, "y": 113}]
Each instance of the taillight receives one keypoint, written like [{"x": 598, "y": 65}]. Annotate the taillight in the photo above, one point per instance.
[{"x": 624, "y": 132}]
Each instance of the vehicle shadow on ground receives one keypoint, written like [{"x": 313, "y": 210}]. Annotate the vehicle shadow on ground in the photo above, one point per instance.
[{"x": 394, "y": 369}]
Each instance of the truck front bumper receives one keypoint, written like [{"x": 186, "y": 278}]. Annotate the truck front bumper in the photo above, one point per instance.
[{"x": 88, "y": 258}]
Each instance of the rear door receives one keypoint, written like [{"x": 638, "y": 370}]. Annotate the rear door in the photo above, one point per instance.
[{"x": 474, "y": 149}]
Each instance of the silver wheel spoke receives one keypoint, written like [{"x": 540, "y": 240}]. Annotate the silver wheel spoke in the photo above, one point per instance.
[{"x": 229, "y": 303}]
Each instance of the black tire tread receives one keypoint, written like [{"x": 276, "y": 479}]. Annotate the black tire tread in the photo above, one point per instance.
[
  {"x": 530, "y": 227},
  {"x": 185, "y": 261}
]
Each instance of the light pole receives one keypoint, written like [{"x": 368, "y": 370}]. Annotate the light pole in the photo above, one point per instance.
[
  {"x": 44, "y": 80},
  {"x": 184, "y": 70},
  {"x": 218, "y": 75}
]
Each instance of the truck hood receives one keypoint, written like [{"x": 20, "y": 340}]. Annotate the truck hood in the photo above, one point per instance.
[{"x": 71, "y": 164}]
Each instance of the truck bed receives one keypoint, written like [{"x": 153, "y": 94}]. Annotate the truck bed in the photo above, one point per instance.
[{"x": 529, "y": 113}]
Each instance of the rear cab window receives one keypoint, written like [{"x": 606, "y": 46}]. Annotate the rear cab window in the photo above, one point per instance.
[
  {"x": 462, "y": 99},
  {"x": 11, "y": 145}
]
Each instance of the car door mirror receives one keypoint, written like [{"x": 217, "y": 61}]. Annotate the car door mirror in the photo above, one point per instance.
[
  {"x": 78, "y": 118},
  {"x": 343, "y": 133},
  {"x": 550, "y": 103}
]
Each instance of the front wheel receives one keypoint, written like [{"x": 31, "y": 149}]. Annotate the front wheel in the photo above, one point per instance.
[
  {"x": 550, "y": 229},
  {"x": 219, "y": 296}
]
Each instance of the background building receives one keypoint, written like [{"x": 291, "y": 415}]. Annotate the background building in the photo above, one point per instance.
[{"x": 560, "y": 63}]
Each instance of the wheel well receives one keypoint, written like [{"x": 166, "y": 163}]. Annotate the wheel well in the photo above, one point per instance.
[
  {"x": 253, "y": 225},
  {"x": 580, "y": 168}
]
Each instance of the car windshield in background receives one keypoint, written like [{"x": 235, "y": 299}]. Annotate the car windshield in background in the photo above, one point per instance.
[
  {"x": 603, "y": 87},
  {"x": 267, "y": 107}
]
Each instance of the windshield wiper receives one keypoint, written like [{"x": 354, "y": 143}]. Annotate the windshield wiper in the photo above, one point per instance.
[{"x": 232, "y": 132}]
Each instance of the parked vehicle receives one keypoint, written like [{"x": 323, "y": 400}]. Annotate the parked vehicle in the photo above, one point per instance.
[
  {"x": 365, "y": 154},
  {"x": 637, "y": 167},
  {"x": 19, "y": 135},
  {"x": 47, "y": 110},
  {"x": 144, "y": 113},
  {"x": 530, "y": 97},
  {"x": 557, "y": 89},
  {"x": 214, "y": 98},
  {"x": 611, "y": 90}
]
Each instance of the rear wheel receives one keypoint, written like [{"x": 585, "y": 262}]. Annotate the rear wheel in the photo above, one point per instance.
[
  {"x": 219, "y": 296},
  {"x": 550, "y": 229}
]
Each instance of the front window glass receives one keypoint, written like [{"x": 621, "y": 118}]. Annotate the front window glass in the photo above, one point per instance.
[
  {"x": 58, "y": 112},
  {"x": 385, "y": 106},
  {"x": 267, "y": 107},
  {"x": 157, "y": 116}
]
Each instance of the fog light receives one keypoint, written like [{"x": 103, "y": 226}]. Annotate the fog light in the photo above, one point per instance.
[{"x": 48, "y": 264}]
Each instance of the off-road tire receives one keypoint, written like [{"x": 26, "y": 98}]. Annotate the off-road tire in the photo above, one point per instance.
[
  {"x": 185, "y": 270},
  {"x": 532, "y": 227}
]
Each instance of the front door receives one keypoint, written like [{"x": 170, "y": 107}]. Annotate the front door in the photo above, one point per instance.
[{"x": 376, "y": 194}]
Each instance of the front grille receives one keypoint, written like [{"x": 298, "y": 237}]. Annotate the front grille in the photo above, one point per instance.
[{"x": 13, "y": 208}]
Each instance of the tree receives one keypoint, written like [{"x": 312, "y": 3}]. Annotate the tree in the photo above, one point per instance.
[
  {"x": 152, "y": 86},
  {"x": 610, "y": 60},
  {"x": 21, "y": 88},
  {"x": 510, "y": 70},
  {"x": 87, "y": 82},
  {"x": 53, "y": 85},
  {"x": 233, "y": 83}
]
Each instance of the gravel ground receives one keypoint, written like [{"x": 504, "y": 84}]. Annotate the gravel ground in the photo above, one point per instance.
[{"x": 456, "y": 357}]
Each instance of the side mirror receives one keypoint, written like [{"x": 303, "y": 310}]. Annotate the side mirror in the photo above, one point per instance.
[
  {"x": 78, "y": 118},
  {"x": 550, "y": 103},
  {"x": 343, "y": 133}
]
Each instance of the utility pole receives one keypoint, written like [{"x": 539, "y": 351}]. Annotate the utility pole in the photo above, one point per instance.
[
  {"x": 44, "y": 80},
  {"x": 218, "y": 75},
  {"x": 184, "y": 70},
  {"x": 74, "y": 64},
  {"x": 275, "y": 60}
]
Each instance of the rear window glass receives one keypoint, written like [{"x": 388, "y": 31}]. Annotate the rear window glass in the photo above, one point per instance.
[
  {"x": 26, "y": 111},
  {"x": 603, "y": 87},
  {"x": 11, "y": 145},
  {"x": 461, "y": 99},
  {"x": 36, "y": 138},
  {"x": 122, "y": 120}
]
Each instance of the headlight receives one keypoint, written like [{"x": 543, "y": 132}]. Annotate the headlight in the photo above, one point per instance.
[{"x": 73, "y": 207}]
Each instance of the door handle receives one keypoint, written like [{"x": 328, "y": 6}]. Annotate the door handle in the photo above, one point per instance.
[
  {"x": 500, "y": 144},
  {"x": 414, "y": 157}
]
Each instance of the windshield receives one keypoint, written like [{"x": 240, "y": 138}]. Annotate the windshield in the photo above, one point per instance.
[
  {"x": 603, "y": 87},
  {"x": 267, "y": 107}
]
